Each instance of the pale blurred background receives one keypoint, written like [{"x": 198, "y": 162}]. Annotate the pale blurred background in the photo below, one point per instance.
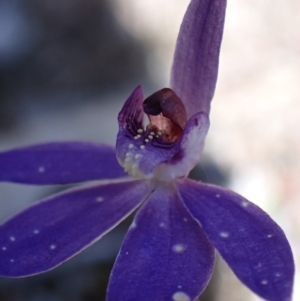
[{"x": 66, "y": 67}]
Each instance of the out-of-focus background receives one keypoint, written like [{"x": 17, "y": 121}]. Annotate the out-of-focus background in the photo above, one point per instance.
[{"x": 66, "y": 67}]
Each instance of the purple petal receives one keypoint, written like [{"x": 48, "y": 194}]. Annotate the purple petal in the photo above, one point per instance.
[
  {"x": 251, "y": 243},
  {"x": 50, "y": 232},
  {"x": 196, "y": 59},
  {"x": 59, "y": 163},
  {"x": 165, "y": 255}
]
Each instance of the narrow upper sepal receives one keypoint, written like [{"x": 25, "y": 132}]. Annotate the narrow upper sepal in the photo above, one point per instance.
[
  {"x": 196, "y": 59},
  {"x": 59, "y": 163},
  {"x": 251, "y": 243},
  {"x": 51, "y": 231},
  {"x": 165, "y": 255}
]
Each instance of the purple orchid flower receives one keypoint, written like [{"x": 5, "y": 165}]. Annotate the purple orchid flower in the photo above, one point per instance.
[{"x": 169, "y": 251}]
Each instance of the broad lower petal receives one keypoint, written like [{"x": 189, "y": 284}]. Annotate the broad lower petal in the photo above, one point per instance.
[
  {"x": 165, "y": 255},
  {"x": 55, "y": 229},
  {"x": 196, "y": 59},
  {"x": 251, "y": 243},
  {"x": 59, "y": 163}
]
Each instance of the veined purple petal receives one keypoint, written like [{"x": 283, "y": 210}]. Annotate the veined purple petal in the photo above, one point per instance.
[
  {"x": 50, "y": 232},
  {"x": 251, "y": 243},
  {"x": 189, "y": 147},
  {"x": 196, "y": 59},
  {"x": 59, "y": 163},
  {"x": 165, "y": 255}
]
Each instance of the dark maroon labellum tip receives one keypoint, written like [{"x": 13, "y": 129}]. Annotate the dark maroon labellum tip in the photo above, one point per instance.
[
  {"x": 166, "y": 112},
  {"x": 166, "y": 102}
]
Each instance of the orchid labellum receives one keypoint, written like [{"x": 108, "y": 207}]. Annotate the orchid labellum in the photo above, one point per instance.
[{"x": 168, "y": 253}]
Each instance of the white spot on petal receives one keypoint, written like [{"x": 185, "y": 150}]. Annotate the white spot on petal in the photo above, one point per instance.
[
  {"x": 270, "y": 235},
  {"x": 99, "y": 199},
  {"x": 52, "y": 247},
  {"x": 36, "y": 231},
  {"x": 146, "y": 140},
  {"x": 126, "y": 253},
  {"x": 185, "y": 219},
  {"x": 245, "y": 203},
  {"x": 150, "y": 137},
  {"x": 142, "y": 146},
  {"x": 277, "y": 274},
  {"x": 179, "y": 286},
  {"x": 41, "y": 169},
  {"x": 178, "y": 248},
  {"x": 12, "y": 238},
  {"x": 181, "y": 296},
  {"x": 140, "y": 131},
  {"x": 218, "y": 195},
  {"x": 264, "y": 282},
  {"x": 130, "y": 146},
  {"x": 162, "y": 225},
  {"x": 152, "y": 133},
  {"x": 224, "y": 234},
  {"x": 12, "y": 260},
  {"x": 4, "y": 249}
]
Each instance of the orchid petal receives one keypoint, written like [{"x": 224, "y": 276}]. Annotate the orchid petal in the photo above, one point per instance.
[
  {"x": 165, "y": 255},
  {"x": 196, "y": 59},
  {"x": 139, "y": 151},
  {"x": 190, "y": 148},
  {"x": 251, "y": 243},
  {"x": 54, "y": 230},
  {"x": 59, "y": 163}
]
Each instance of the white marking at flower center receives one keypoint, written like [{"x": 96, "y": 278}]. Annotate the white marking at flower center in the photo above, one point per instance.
[
  {"x": 36, "y": 231},
  {"x": 140, "y": 131},
  {"x": 12, "y": 238},
  {"x": 41, "y": 169},
  {"x": 150, "y": 137},
  {"x": 52, "y": 247},
  {"x": 178, "y": 248},
  {"x": 224, "y": 234},
  {"x": 181, "y": 296},
  {"x": 264, "y": 282},
  {"x": 99, "y": 199},
  {"x": 137, "y": 137}
]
